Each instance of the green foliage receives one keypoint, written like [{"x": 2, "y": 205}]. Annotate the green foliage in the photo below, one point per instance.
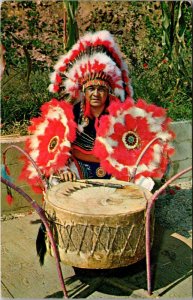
[
  {"x": 31, "y": 34},
  {"x": 33, "y": 38},
  {"x": 155, "y": 39},
  {"x": 161, "y": 69},
  {"x": 175, "y": 35},
  {"x": 71, "y": 33},
  {"x": 21, "y": 102}
]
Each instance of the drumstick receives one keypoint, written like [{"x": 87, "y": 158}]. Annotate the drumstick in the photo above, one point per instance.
[
  {"x": 95, "y": 183},
  {"x": 111, "y": 185}
]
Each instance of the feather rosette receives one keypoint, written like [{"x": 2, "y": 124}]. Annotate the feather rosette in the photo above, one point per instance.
[
  {"x": 50, "y": 140},
  {"x": 125, "y": 133}
]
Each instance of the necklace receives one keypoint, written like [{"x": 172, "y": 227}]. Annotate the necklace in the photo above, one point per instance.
[{"x": 84, "y": 121}]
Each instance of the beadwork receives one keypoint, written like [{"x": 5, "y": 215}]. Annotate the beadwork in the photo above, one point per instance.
[
  {"x": 130, "y": 140},
  {"x": 53, "y": 143}
]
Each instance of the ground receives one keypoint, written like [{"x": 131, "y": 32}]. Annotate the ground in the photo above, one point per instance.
[{"x": 171, "y": 256}]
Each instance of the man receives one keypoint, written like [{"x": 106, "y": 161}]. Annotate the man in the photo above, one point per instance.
[
  {"x": 92, "y": 74},
  {"x": 67, "y": 140},
  {"x": 88, "y": 165}
]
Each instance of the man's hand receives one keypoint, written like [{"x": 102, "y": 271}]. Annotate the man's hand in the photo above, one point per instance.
[{"x": 67, "y": 175}]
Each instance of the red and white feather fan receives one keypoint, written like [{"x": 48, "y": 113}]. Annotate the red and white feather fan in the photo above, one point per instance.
[
  {"x": 49, "y": 142},
  {"x": 125, "y": 133}
]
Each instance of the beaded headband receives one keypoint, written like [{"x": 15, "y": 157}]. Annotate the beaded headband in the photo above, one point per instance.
[{"x": 95, "y": 82}]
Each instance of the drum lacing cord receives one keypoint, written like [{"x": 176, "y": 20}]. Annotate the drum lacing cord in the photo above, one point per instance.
[{"x": 150, "y": 204}]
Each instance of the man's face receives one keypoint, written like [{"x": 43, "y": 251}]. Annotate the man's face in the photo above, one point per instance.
[{"x": 96, "y": 95}]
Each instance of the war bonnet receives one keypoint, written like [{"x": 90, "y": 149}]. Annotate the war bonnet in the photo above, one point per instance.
[{"x": 95, "y": 58}]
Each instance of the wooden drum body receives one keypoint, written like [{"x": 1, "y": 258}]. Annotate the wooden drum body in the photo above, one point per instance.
[{"x": 98, "y": 227}]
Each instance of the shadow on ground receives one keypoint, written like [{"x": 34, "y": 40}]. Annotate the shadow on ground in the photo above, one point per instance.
[{"x": 170, "y": 265}]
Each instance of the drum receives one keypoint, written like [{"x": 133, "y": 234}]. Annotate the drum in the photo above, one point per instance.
[{"x": 98, "y": 225}]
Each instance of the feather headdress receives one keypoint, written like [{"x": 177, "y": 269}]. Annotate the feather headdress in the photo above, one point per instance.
[{"x": 94, "y": 56}]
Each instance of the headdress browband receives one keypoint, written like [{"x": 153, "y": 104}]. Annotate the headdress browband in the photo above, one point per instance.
[
  {"x": 95, "y": 82},
  {"x": 99, "y": 78}
]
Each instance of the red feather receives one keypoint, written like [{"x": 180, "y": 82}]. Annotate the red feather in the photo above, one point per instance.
[{"x": 9, "y": 199}]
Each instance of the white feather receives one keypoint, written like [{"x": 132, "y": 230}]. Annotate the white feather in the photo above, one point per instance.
[
  {"x": 165, "y": 136},
  {"x": 34, "y": 154},
  {"x": 53, "y": 77},
  {"x": 60, "y": 62},
  {"x": 34, "y": 142},
  {"x": 51, "y": 88},
  {"x": 32, "y": 171}
]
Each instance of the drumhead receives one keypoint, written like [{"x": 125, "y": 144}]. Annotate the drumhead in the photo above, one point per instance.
[{"x": 86, "y": 199}]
